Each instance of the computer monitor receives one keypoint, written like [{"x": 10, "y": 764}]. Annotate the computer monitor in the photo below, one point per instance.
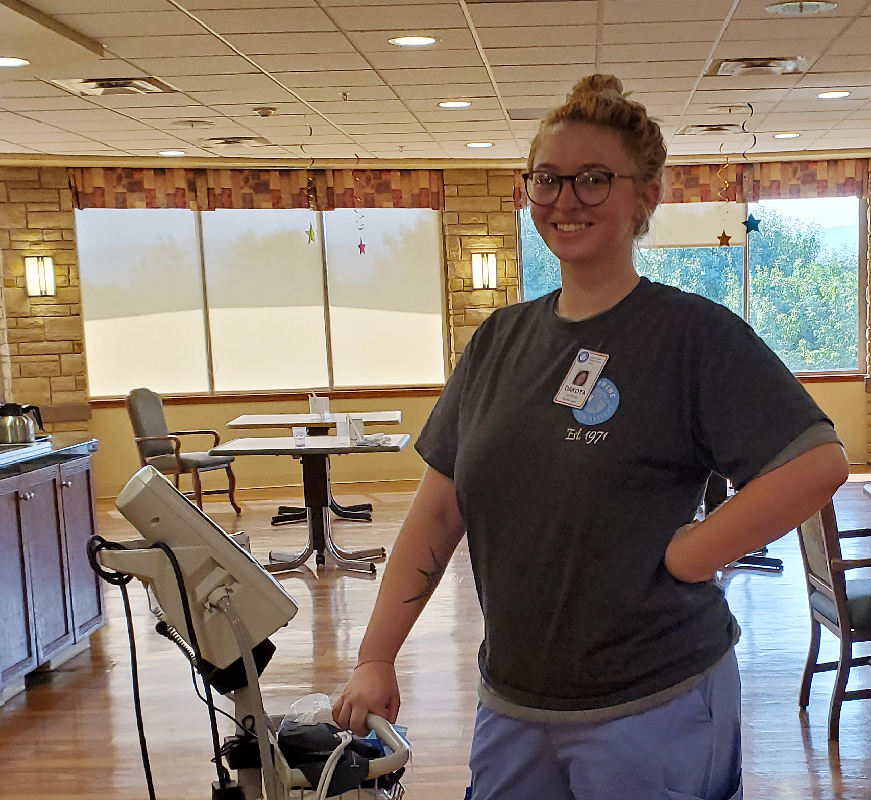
[{"x": 209, "y": 559}]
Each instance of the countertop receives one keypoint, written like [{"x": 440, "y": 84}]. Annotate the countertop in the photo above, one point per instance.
[{"x": 67, "y": 443}]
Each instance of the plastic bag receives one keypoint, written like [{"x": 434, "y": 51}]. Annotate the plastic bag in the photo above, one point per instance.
[{"x": 311, "y": 709}]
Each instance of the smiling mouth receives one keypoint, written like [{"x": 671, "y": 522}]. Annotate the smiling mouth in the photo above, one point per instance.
[{"x": 569, "y": 227}]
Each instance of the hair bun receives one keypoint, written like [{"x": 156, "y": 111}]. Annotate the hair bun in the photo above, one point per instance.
[{"x": 596, "y": 84}]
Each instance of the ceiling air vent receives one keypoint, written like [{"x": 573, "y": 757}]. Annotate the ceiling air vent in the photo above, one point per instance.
[
  {"x": 227, "y": 142},
  {"x": 710, "y": 130},
  {"x": 113, "y": 86},
  {"x": 732, "y": 67}
]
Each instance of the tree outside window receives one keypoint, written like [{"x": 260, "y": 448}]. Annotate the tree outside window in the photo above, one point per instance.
[{"x": 802, "y": 270}]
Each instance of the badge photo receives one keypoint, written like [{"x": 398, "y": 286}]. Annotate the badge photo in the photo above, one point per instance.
[{"x": 581, "y": 378}]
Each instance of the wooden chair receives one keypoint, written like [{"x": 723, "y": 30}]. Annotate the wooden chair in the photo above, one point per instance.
[
  {"x": 842, "y": 605},
  {"x": 161, "y": 448}
]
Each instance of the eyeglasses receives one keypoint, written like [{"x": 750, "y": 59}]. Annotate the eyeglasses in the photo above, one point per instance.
[{"x": 591, "y": 187}]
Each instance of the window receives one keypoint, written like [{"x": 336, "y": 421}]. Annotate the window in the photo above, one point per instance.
[
  {"x": 265, "y": 290},
  {"x": 254, "y": 300},
  {"x": 142, "y": 301},
  {"x": 797, "y": 280}
]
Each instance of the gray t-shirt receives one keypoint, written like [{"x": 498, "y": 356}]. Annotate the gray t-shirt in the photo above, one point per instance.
[{"x": 569, "y": 512}]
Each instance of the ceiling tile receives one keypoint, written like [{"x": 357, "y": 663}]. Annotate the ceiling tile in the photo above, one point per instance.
[
  {"x": 272, "y": 94},
  {"x": 552, "y": 72},
  {"x": 518, "y": 56},
  {"x": 653, "y": 32},
  {"x": 44, "y": 103},
  {"x": 170, "y": 68},
  {"x": 256, "y": 83},
  {"x": 9, "y": 147},
  {"x": 568, "y": 36},
  {"x": 59, "y": 7},
  {"x": 783, "y": 30},
  {"x": 266, "y": 20},
  {"x": 653, "y": 69},
  {"x": 693, "y": 51},
  {"x": 836, "y": 64},
  {"x": 141, "y": 23},
  {"x": 424, "y": 59},
  {"x": 258, "y": 44},
  {"x": 312, "y": 62},
  {"x": 437, "y": 76},
  {"x": 329, "y": 93},
  {"x": 557, "y": 14},
  {"x": 398, "y": 19},
  {"x": 347, "y": 80},
  {"x": 203, "y": 44},
  {"x": 617, "y": 11}
]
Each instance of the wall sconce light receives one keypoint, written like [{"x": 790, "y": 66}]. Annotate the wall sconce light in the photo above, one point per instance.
[
  {"x": 483, "y": 270},
  {"x": 39, "y": 273}
]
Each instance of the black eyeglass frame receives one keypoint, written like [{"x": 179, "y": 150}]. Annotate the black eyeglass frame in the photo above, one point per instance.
[{"x": 573, "y": 178}]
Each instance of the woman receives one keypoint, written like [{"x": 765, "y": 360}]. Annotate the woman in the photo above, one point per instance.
[{"x": 608, "y": 669}]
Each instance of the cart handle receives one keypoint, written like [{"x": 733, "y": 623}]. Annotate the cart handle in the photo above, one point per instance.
[{"x": 394, "y": 740}]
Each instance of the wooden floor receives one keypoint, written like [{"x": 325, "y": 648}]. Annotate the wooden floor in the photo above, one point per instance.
[{"x": 72, "y": 734}]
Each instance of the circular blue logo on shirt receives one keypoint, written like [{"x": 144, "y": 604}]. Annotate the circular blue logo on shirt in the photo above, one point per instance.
[{"x": 600, "y": 405}]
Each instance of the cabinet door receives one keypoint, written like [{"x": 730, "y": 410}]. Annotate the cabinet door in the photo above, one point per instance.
[
  {"x": 79, "y": 518},
  {"x": 45, "y": 553},
  {"x": 17, "y": 644}
]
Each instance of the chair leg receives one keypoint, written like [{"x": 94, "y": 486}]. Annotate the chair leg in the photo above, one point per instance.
[
  {"x": 175, "y": 478},
  {"x": 231, "y": 478},
  {"x": 198, "y": 488},
  {"x": 813, "y": 653},
  {"x": 840, "y": 684}
]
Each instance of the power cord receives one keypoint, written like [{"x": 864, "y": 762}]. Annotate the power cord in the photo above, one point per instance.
[
  {"x": 224, "y": 788},
  {"x": 120, "y": 579}
]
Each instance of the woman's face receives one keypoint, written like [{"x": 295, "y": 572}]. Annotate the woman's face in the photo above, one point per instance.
[{"x": 574, "y": 232}]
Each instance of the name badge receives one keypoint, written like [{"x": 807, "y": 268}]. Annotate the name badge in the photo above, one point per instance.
[{"x": 578, "y": 384}]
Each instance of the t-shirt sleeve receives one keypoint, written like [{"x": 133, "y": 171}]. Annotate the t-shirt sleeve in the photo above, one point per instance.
[
  {"x": 750, "y": 407},
  {"x": 439, "y": 439}
]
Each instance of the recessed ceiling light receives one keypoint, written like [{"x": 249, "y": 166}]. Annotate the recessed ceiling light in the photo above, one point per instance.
[
  {"x": 479, "y": 144},
  {"x": 412, "y": 41},
  {"x": 9, "y": 61},
  {"x": 171, "y": 153},
  {"x": 833, "y": 95},
  {"x": 454, "y": 104},
  {"x": 800, "y": 8},
  {"x": 786, "y": 135}
]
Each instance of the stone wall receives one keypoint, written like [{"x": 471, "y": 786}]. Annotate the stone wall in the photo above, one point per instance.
[
  {"x": 41, "y": 338},
  {"x": 479, "y": 216}
]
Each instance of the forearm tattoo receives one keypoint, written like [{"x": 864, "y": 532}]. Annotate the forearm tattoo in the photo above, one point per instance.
[{"x": 431, "y": 579}]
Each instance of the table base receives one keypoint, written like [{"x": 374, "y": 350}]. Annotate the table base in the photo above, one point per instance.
[{"x": 318, "y": 501}]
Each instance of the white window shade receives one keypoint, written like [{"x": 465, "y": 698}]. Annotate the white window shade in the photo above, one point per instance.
[
  {"x": 386, "y": 323},
  {"x": 696, "y": 225},
  {"x": 264, "y": 283},
  {"x": 141, "y": 301}
]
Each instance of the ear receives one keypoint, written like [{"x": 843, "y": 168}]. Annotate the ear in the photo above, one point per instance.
[{"x": 650, "y": 194}]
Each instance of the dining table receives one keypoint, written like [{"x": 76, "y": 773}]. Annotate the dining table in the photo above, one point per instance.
[
  {"x": 315, "y": 425},
  {"x": 315, "y": 454}
]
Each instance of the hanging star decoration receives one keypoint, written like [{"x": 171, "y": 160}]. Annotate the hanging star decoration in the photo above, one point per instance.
[
  {"x": 751, "y": 223},
  {"x": 311, "y": 233},
  {"x": 361, "y": 247},
  {"x": 724, "y": 238}
]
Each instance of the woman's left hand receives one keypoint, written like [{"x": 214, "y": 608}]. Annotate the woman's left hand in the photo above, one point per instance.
[{"x": 679, "y": 556}]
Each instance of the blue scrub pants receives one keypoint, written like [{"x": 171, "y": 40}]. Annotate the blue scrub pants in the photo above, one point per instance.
[{"x": 687, "y": 749}]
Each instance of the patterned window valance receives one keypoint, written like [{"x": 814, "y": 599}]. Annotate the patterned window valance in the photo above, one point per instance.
[
  {"x": 208, "y": 189},
  {"x": 846, "y": 177}
]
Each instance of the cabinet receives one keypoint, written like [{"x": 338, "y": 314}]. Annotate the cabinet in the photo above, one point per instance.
[{"x": 50, "y": 599}]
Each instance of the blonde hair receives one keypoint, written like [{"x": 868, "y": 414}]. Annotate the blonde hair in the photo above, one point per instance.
[{"x": 600, "y": 100}]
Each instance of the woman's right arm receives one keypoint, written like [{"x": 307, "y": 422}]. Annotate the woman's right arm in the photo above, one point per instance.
[{"x": 420, "y": 555}]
